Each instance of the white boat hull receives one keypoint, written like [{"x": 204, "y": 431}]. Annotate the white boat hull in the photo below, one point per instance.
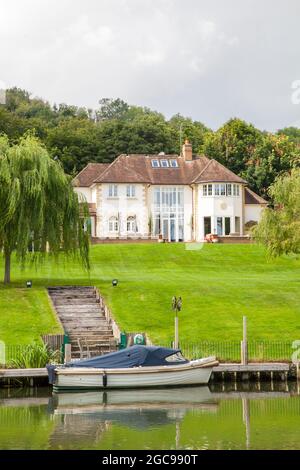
[{"x": 192, "y": 373}]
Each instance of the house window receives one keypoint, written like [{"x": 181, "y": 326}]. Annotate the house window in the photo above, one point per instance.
[
  {"x": 131, "y": 224},
  {"x": 113, "y": 224},
  {"x": 130, "y": 190},
  {"x": 173, "y": 163},
  {"x": 207, "y": 225},
  {"x": 113, "y": 190},
  {"x": 236, "y": 190},
  {"x": 207, "y": 190},
  {"x": 217, "y": 190},
  {"x": 222, "y": 189},
  {"x": 155, "y": 163},
  {"x": 227, "y": 225},
  {"x": 220, "y": 226},
  {"x": 164, "y": 163},
  {"x": 228, "y": 189},
  {"x": 237, "y": 222}
]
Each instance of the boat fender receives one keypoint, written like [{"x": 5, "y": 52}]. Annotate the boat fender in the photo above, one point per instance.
[{"x": 104, "y": 380}]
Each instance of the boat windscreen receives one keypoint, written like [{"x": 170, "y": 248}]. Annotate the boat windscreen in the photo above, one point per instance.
[{"x": 178, "y": 357}]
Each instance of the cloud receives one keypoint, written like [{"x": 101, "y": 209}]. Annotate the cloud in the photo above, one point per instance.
[{"x": 209, "y": 60}]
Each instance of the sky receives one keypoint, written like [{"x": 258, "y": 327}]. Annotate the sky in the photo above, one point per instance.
[{"x": 209, "y": 60}]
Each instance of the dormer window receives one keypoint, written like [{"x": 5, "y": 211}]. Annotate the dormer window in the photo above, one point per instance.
[
  {"x": 173, "y": 163},
  {"x": 155, "y": 163},
  {"x": 164, "y": 163}
]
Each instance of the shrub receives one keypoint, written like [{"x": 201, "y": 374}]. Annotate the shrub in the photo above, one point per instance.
[
  {"x": 249, "y": 225},
  {"x": 35, "y": 356}
]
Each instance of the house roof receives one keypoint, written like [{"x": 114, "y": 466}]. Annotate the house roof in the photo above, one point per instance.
[
  {"x": 252, "y": 198},
  {"x": 138, "y": 169},
  {"x": 216, "y": 172},
  {"x": 86, "y": 177}
]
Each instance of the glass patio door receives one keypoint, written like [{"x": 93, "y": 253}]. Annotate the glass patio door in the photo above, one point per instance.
[
  {"x": 172, "y": 230},
  {"x": 165, "y": 229}
]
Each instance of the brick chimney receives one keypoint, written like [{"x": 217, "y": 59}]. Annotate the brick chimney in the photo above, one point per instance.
[{"x": 187, "y": 151}]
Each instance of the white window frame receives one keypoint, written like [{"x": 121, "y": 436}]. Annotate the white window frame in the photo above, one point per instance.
[
  {"x": 113, "y": 224},
  {"x": 131, "y": 224},
  {"x": 130, "y": 191},
  {"x": 222, "y": 189},
  {"x": 204, "y": 190},
  {"x": 113, "y": 190},
  {"x": 236, "y": 190},
  {"x": 173, "y": 163},
  {"x": 164, "y": 164},
  {"x": 209, "y": 189},
  {"x": 229, "y": 189},
  {"x": 155, "y": 163},
  {"x": 217, "y": 190}
]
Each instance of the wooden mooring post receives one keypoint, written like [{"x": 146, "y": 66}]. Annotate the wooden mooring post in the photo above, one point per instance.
[
  {"x": 68, "y": 353},
  {"x": 244, "y": 344}
]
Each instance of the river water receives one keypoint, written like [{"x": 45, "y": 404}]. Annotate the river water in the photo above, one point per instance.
[{"x": 219, "y": 417}]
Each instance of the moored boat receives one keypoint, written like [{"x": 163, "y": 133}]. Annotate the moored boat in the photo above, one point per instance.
[{"x": 134, "y": 367}]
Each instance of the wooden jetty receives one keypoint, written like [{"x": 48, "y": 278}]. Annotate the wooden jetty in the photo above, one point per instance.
[
  {"x": 18, "y": 377},
  {"x": 256, "y": 371},
  {"x": 23, "y": 373},
  {"x": 223, "y": 372}
]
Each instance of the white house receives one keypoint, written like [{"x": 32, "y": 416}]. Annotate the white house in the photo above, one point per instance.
[{"x": 180, "y": 197}]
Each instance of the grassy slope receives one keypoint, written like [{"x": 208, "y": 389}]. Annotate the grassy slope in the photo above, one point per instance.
[
  {"x": 25, "y": 314},
  {"x": 218, "y": 284}
]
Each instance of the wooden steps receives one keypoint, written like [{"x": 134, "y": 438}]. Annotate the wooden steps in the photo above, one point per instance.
[{"x": 83, "y": 320}]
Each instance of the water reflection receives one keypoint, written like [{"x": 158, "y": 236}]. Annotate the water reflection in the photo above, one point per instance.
[
  {"x": 219, "y": 417},
  {"x": 137, "y": 409}
]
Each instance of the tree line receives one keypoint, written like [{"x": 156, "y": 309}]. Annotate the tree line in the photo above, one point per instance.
[{"x": 76, "y": 136}]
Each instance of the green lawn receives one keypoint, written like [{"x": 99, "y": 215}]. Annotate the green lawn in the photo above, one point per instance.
[{"x": 218, "y": 283}]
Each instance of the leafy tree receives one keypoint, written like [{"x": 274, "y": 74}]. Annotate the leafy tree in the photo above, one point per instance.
[
  {"x": 75, "y": 142},
  {"x": 185, "y": 128},
  {"x": 233, "y": 144},
  {"x": 274, "y": 155},
  {"x": 279, "y": 228},
  {"x": 112, "y": 109},
  {"x": 38, "y": 206},
  {"x": 15, "y": 97},
  {"x": 80, "y": 135},
  {"x": 292, "y": 132}
]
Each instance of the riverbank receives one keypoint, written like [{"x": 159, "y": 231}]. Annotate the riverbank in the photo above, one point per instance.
[{"x": 261, "y": 372}]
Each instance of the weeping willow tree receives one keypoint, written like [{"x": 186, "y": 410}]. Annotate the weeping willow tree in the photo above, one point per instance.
[
  {"x": 279, "y": 228},
  {"x": 39, "y": 210}
]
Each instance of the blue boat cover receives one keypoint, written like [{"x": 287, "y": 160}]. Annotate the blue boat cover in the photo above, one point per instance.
[{"x": 133, "y": 356}]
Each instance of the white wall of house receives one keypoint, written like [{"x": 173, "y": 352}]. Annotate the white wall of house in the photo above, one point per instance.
[
  {"x": 188, "y": 213},
  {"x": 116, "y": 211},
  {"x": 253, "y": 212},
  {"x": 139, "y": 209},
  {"x": 219, "y": 207},
  {"x": 94, "y": 193},
  {"x": 86, "y": 192}
]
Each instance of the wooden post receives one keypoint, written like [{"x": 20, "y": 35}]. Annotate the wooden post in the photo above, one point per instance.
[
  {"x": 67, "y": 353},
  {"x": 297, "y": 370},
  {"x": 244, "y": 344},
  {"x": 176, "y": 331}
]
